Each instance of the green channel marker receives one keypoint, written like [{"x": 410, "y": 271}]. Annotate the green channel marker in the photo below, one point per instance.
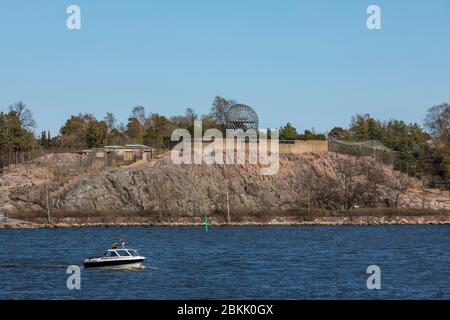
[{"x": 206, "y": 224}]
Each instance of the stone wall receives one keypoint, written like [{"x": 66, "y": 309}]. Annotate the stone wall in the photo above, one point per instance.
[
  {"x": 294, "y": 146},
  {"x": 302, "y": 147}
]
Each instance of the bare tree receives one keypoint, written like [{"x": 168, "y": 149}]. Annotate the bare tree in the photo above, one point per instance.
[
  {"x": 220, "y": 108},
  {"x": 110, "y": 121},
  {"x": 191, "y": 116},
  {"x": 326, "y": 192},
  {"x": 139, "y": 114},
  {"x": 347, "y": 170},
  {"x": 303, "y": 184},
  {"x": 24, "y": 114},
  {"x": 374, "y": 180},
  {"x": 399, "y": 186},
  {"x": 437, "y": 122}
]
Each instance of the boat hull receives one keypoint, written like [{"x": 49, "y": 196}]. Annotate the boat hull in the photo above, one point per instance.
[{"x": 113, "y": 263}]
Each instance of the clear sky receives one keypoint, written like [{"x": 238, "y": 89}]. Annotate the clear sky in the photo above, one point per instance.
[{"x": 312, "y": 63}]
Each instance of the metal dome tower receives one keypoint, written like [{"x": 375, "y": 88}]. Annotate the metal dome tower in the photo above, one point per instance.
[{"x": 241, "y": 116}]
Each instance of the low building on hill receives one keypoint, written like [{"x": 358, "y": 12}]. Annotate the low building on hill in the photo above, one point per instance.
[{"x": 121, "y": 155}]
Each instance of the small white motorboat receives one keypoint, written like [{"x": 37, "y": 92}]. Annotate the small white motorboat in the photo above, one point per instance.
[{"x": 116, "y": 257}]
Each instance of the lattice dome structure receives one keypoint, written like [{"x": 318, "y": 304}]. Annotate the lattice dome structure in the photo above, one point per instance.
[{"x": 242, "y": 117}]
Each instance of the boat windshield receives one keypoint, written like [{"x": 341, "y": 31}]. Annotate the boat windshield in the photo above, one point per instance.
[
  {"x": 123, "y": 253},
  {"x": 133, "y": 252},
  {"x": 110, "y": 253}
]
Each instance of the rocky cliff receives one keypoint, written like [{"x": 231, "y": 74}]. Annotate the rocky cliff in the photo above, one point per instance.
[{"x": 328, "y": 180}]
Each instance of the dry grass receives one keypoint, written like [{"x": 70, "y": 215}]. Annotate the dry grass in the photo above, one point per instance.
[
  {"x": 99, "y": 216},
  {"x": 395, "y": 212}
]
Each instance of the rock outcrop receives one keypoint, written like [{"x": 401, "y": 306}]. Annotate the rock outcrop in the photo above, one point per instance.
[{"x": 201, "y": 189}]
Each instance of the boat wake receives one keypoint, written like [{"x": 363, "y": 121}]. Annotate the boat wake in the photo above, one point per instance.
[{"x": 125, "y": 267}]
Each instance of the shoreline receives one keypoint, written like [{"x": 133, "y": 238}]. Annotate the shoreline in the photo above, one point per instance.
[{"x": 243, "y": 222}]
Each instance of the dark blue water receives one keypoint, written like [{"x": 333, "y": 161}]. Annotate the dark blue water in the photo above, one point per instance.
[{"x": 232, "y": 263}]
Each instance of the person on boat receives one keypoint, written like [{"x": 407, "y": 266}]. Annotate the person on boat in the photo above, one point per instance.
[{"x": 114, "y": 246}]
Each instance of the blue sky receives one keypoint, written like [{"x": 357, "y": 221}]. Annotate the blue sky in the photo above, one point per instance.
[{"x": 312, "y": 63}]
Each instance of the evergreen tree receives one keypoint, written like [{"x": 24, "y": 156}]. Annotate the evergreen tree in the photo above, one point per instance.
[{"x": 288, "y": 132}]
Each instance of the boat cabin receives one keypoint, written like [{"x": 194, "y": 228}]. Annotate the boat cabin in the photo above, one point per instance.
[{"x": 121, "y": 253}]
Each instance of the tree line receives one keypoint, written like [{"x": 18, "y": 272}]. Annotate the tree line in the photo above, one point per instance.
[
  {"x": 426, "y": 148},
  {"x": 15, "y": 133},
  {"x": 85, "y": 131},
  {"x": 289, "y": 132}
]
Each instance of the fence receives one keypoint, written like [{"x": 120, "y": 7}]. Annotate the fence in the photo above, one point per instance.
[
  {"x": 371, "y": 148},
  {"x": 10, "y": 157}
]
